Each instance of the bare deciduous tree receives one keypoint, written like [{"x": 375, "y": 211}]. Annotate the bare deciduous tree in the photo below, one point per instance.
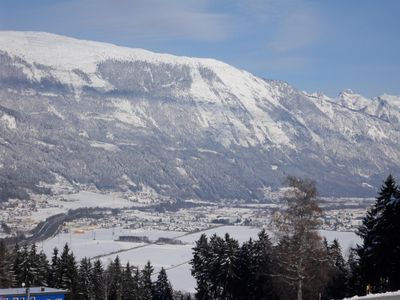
[{"x": 300, "y": 253}]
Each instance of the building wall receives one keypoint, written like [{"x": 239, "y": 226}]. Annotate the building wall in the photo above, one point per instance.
[{"x": 35, "y": 297}]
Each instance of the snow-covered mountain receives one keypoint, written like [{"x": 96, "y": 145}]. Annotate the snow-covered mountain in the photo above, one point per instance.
[{"x": 91, "y": 113}]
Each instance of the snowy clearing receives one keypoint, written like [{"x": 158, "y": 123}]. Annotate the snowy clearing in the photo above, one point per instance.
[{"x": 78, "y": 200}]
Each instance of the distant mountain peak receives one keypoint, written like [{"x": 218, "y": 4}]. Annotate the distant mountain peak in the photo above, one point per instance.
[
  {"x": 391, "y": 99},
  {"x": 346, "y": 92}
]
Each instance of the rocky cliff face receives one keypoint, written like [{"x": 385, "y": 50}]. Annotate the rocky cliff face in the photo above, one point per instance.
[{"x": 90, "y": 113}]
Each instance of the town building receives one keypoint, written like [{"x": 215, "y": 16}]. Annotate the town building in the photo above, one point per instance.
[{"x": 34, "y": 293}]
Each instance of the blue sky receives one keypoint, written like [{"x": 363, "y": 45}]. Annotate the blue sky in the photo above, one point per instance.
[{"x": 323, "y": 45}]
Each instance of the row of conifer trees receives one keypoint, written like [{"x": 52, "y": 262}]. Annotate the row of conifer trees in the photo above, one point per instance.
[
  {"x": 84, "y": 280},
  {"x": 300, "y": 264},
  {"x": 224, "y": 269}
]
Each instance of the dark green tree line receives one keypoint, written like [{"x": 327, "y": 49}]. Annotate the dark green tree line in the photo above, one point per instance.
[{"x": 84, "y": 280}]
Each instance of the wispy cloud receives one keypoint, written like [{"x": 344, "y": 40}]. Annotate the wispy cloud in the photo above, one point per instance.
[
  {"x": 289, "y": 24},
  {"x": 171, "y": 19},
  {"x": 299, "y": 29}
]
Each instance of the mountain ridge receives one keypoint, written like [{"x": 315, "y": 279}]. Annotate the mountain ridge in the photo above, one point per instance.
[{"x": 185, "y": 127}]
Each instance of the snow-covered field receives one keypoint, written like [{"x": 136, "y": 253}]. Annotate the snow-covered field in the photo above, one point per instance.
[
  {"x": 94, "y": 242},
  {"x": 174, "y": 258},
  {"x": 78, "y": 200}
]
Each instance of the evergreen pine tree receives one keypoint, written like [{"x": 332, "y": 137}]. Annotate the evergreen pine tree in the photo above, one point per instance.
[
  {"x": 380, "y": 240},
  {"x": 245, "y": 273},
  {"x": 129, "y": 286},
  {"x": 354, "y": 282},
  {"x": 17, "y": 265},
  {"x": 336, "y": 286},
  {"x": 178, "y": 295},
  {"x": 390, "y": 240},
  {"x": 72, "y": 275},
  {"x": 261, "y": 268},
  {"x": 228, "y": 267},
  {"x": 43, "y": 269},
  {"x": 146, "y": 284},
  {"x": 216, "y": 274},
  {"x": 85, "y": 282},
  {"x": 53, "y": 278},
  {"x": 136, "y": 283},
  {"x": 33, "y": 262},
  {"x": 162, "y": 287},
  {"x": 68, "y": 272},
  {"x": 115, "y": 276},
  {"x": 97, "y": 279},
  {"x": 200, "y": 268},
  {"x": 23, "y": 270},
  {"x": 6, "y": 267}
]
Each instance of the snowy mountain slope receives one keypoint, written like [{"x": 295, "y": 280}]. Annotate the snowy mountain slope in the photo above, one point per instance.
[{"x": 120, "y": 118}]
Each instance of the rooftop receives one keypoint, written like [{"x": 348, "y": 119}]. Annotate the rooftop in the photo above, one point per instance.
[{"x": 32, "y": 291}]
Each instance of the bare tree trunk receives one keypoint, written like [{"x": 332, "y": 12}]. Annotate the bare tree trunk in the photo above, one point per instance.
[
  {"x": 105, "y": 294},
  {"x": 300, "y": 269},
  {"x": 300, "y": 289}
]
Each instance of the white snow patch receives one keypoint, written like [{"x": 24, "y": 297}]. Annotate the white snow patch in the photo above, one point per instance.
[
  {"x": 207, "y": 151},
  {"x": 83, "y": 133},
  {"x": 376, "y": 133},
  {"x": 92, "y": 241},
  {"x": 381, "y": 296},
  {"x": 182, "y": 171},
  {"x": 105, "y": 146},
  {"x": 367, "y": 185},
  {"x": 48, "y": 94},
  {"x": 126, "y": 113},
  {"x": 44, "y": 144},
  {"x": 392, "y": 100},
  {"x": 63, "y": 203},
  {"x": 128, "y": 180},
  {"x": 54, "y": 111},
  {"x": 92, "y": 199},
  {"x": 201, "y": 89},
  {"x": 8, "y": 121}
]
